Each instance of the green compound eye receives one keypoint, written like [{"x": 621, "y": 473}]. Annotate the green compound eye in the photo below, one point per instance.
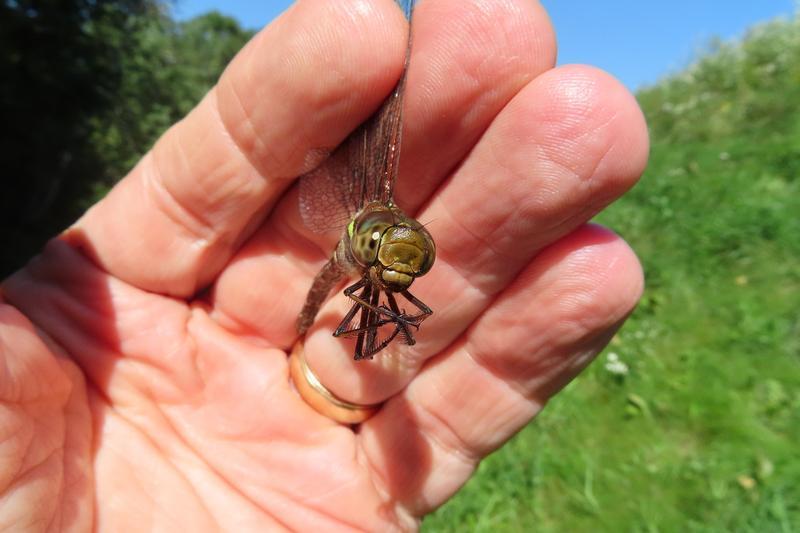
[{"x": 365, "y": 235}]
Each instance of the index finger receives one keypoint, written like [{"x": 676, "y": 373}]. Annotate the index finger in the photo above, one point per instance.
[{"x": 296, "y": 89}]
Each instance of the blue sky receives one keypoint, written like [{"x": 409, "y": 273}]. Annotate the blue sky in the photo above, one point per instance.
[{"x": 637, "y": 41}]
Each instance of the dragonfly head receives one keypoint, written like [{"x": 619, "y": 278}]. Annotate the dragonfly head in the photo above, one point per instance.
[{"x": 398, "y": 246}]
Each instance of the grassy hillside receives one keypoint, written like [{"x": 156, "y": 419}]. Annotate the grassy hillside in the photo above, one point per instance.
[{"x": 699, "y": 428}]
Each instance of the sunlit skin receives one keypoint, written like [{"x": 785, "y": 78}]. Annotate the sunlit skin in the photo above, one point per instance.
[{"x": 144, "y": 375}]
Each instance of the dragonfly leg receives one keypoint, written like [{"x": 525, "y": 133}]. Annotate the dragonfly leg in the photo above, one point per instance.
[
  {"x": 368, "y": 323},
  {"x": 402, "y": 322},
  {"x": 425, "y": 311},
  {"x": 364, "y": 302},
  {"x": 372, "y": 319},
  {"x": 343, "y": 330},
  {"x": 374, "y": 325},
  {"x": 374, "y": 316},
  {"x": 384, "y": 343},
  {"x": 363, "y": 323},
  {"x": 400, "y": 316},
  {"x": 348, "y": 318}
]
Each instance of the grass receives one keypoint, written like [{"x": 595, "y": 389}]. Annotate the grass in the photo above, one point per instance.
[{"x": 703, "y": 431}]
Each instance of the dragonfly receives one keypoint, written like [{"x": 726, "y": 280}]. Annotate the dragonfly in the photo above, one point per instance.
[{"x": 381, "y": 246}]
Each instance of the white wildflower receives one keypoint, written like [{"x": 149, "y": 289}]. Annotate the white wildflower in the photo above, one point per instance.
[{"x": 615, "y": 365}]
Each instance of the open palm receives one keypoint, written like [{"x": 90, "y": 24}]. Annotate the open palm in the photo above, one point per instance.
[{"x": 145, "y": 382}]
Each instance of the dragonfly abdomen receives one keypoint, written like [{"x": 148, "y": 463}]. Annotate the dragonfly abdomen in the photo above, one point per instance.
[{"x": 331, "y": 273}]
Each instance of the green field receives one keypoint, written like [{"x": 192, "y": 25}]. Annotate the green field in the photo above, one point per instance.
[{"x": 702, "y": 433}]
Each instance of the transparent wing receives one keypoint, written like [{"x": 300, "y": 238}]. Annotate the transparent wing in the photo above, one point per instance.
[
  {"x": 327, "y": 193},
  {"x": 362, "y": 169}
]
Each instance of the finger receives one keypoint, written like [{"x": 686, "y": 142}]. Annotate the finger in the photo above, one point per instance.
[
  {"x": 468, "y": 61},
  {"x": 298, "y": 87},
  {"x": 567, "y": 145},
  {"x": 543, "y": 329}
]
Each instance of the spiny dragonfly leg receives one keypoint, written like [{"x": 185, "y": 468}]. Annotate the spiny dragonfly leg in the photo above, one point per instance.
[
  {"x": 425, "y": 311},
  {"x": 372, "y": 319},
  {"x": 348, "y": 318},
  {"x": 363, "y": 299},
  {"x": 368, "y": 323},
  {"x": 402, "y": 322},
  {"x": 343, "y": 330},
  {"x": 374, "y": 316}
]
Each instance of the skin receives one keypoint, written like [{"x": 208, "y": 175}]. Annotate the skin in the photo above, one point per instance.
[{"x": 144, "y": 381}]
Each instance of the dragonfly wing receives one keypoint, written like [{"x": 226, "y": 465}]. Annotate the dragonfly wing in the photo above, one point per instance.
[
  {"x": 384, "y": 135},
  {"x": 329, "y": 194},
  {"x": 362, "y": 169},
  {"x": 384, "y": 141}
]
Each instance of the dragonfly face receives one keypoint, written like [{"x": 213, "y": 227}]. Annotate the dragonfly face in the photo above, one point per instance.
[{"x": 398, "y": 248}]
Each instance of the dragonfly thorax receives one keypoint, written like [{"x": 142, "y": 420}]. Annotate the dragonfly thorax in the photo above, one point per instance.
[{"x": 394, "y": 247}]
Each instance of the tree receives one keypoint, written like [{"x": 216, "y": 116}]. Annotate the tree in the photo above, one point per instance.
[{"x": 87, "y": 88}]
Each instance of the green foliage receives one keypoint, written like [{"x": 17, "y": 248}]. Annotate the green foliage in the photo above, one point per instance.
[
  {"x": 738, "y": 88},
  {"x": 701, "y": 432},
  {"x": 57, "y": 72},
  {"x": 86, "y": 89},
  {"x": 175, "y": 64}
]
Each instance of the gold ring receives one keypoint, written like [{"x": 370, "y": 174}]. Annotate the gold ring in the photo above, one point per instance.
[{"x": 319, "y": 397}]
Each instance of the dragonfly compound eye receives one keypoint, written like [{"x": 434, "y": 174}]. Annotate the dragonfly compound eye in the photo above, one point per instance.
[
  {"x": 425, "y": 243},
  {"x": 366, "y": 233}
]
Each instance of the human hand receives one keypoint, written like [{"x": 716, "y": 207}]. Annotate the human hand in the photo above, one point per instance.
[{"x": 148, "y": 386}]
